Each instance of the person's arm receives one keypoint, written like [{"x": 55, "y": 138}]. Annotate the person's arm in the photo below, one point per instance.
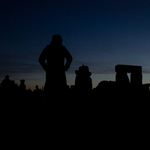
[
  {"x": 42, "y": 59},
  {"x": 68, "y": 58}
]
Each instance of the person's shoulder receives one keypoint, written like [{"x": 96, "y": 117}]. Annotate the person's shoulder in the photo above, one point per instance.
[
  {"x": 46, "y": 48},
  {"x": 64, "y": 48}
]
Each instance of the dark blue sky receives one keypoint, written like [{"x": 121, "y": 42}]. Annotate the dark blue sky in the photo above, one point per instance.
[{"x": 100, "y": 34}]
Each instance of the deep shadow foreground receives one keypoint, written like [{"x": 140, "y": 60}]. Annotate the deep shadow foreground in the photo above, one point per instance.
[
  {"x": 109, "y": 97},
  {"x": 75, "y": 114}
]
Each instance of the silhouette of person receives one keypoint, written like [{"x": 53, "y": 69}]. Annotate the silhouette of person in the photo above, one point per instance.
[
  {"x": 6, "y": 83},
  {"x": 52, "y": 59},
  {"x": 83, "y": 82},
  {"x": 36, "y": 88},
  {"x": 22, "y": 85}
]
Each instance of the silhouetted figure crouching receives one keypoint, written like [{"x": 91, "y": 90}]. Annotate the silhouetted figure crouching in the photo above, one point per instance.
[{"x": 52, "y": 60}]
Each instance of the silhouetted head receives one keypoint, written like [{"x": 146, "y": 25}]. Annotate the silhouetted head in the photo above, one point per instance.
[
  {"x": 7, "y": 77},
  {"x": 22, "y": 81},
  {"x": 56, "y": 39},
  {"x": 37, "y": 87}
]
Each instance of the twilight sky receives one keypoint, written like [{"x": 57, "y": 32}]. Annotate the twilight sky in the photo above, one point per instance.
[{"x": 98, "y": 33}]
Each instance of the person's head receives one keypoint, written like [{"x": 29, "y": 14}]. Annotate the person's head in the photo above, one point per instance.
[
  {"x": 37, "y": 87},
  {"x": 22, "y": 81},
  {"x": 57, "y": 39},
  {"x": 7, "y": 77}
]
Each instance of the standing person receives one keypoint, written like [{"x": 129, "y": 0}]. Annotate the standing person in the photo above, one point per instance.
[{"x": 52, "y": 60}]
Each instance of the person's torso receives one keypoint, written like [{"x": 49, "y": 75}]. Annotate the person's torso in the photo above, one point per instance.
[{"x": 55, "y": 58}]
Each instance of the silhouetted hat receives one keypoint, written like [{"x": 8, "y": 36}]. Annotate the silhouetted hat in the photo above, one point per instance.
[
  {"x": 83, "y": 70},
  {"x": 57, "y": 38}
]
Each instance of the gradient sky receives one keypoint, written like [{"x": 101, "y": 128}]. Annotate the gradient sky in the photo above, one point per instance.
[{"x": 98, "y": 33}]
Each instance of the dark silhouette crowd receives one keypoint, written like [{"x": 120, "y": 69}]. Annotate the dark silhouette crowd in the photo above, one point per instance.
[
  {"x": 16, "y": 99},
  {"x": 120, "y": 96},
  {"x": 109, "y": 97}
]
